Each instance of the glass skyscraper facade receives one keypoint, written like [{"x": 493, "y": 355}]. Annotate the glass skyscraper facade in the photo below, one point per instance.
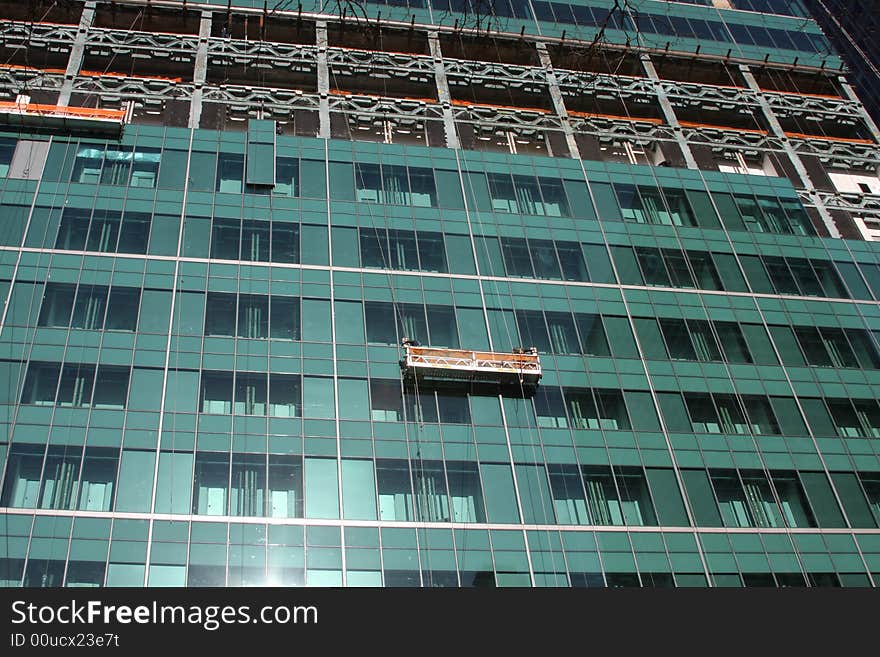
[{"x": 218, "y": 224}]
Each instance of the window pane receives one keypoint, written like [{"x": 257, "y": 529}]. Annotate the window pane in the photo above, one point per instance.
[
  {"x": 735, "y": 509},
  {"x": 211, "y": 484},
  {"x": 432, "y": 253},
  {"x": 702, "y": 411},
  {"x": 422, "y": 186},
  {"x": 104, "y": 231},
  {"x": 555, "y": 201},
  {"x": 255, "y": 241},
  {"x": 534, "y": 493},
  {"x": 756, "y": 275},
  {"x": 653, "y": 269},
  {"x": 285, "y": 242},
  {"x": 760, "y": 415},
  {"x": 220, "y": 314},
  {"x": 368, "y": 183},
  {"x": 853, "y": 497},
  {"x": 286, "y": 176},
  {"x": 795, "y": 508},
  {"x": 830, "y": 282},
  {"x": 285, "y": 395},
  {"x": 60, "y": 478},
  {"x": 225, "y": 239},
  {"x": 759, "y": 344},
  {"x": 87, "y": 165},
  {"x": 544, "y": 259},
  {"x": 730, "y": 413},
  {"x": 516, "y": 257},
  {"x": 704, "y": 214},
  {"x": 701, "y": 497},
  {"x": 676, "y": 264},
  {"x": 395, "y": 184},
  {"x": 845, "y": 419},
  {"x": 729, "y": 272},
  {"x": 40, "y": 384},
  {"x": 762, "y": 504},
  {"x": 358, "y": 489},
  {"x": 395, "y": 490},
  {"x": 22, "y": 486},
  {"x": 550, "y": 408},
  {"x": 285, "y": 486},
  {"x": 284, "y": 318},
  {"x": 704, "y": 271},
  {"x": 411, "y": 322},
  {"x": 135, "y": 233},
  {"x": 230, "y": 173},
  {"x": 781, "y": 276},
  {"x": 465, "y": 492},
  {"x": 88, "y": 312},
  {"x": 73, "y": 230},
  {"x": 787, "y": 345},
  {"x": 216, "y": 392},
  {"x": 442, "y": 327},
  {"x": 385, "y": 402},
  {"x": 380, "y": 323},
  {"x": 75, "y": 387},
  {"x": 563, "y": 337},
  {"x": 864, "y": 349},
  {"x": 117, "y": 166},
  {"x": 247, "y": 492},
  {"x": 598, "y": 263},
  {"x": 821, "y": 499},
  {"x": 322, "y": 488},
  {"x": 571, "y": 257},
  {"x": 667, "y": 497},
  {"x": 612, "y": 410},
  {"x": 620, "y": 335},
  {"x": 592, "y": 335},
  {"x": 650, "y": 338},
  {"x": 678, "y": 340},
  {"x": 253, "y": 316},
  {"x": 122, "y": 311},
  {"x": 635, "y": 499},
  {"x": 250, "y": 394},
  {"x": 569, "y": 502},
  {"x": 532, "y": 330},
  {"x": 111, "y": 387},
  {"x": 500, "y": 496},
  {"x": 733, "y": 342},
  {"x": 674, "y": 413},
  {"x": 57, "y": 305},
  {"x": 402, "y": 251},
  {"x": 453, "y": 407}
]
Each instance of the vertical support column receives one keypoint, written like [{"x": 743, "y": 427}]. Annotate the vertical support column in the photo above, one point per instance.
[
  {"x": 668, "y": 112},
  {"x": 779, "y": 133},
  {"x": 323, "y": 81},
  {"x": 850, "y": 94},
  {"x": 443, "y": 91},
  {"x": 558, "y": 101},
  {"x": 74, "y": 61},
  {"x": 200, "y": 71}
]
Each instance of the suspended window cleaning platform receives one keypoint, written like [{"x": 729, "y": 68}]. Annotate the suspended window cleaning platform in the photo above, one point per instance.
[
  {"x": 520, "y": 366},
  {"x": 24, "y": 113}
]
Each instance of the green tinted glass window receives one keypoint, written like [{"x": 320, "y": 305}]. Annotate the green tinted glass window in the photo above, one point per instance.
[{"x": 701, "y": 497}]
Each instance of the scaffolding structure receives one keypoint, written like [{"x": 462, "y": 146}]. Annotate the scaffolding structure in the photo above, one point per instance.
[
  {"x": 193, "y": 65},
  {"x": 522, "y": 366}
]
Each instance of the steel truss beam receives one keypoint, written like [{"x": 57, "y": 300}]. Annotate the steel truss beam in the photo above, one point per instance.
[
  {"x": 40, "y": 36},
  {"x": 621, "y": 129},
  {"x": 417, "y": 68},
  {"x": 173, "y": 47}
]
